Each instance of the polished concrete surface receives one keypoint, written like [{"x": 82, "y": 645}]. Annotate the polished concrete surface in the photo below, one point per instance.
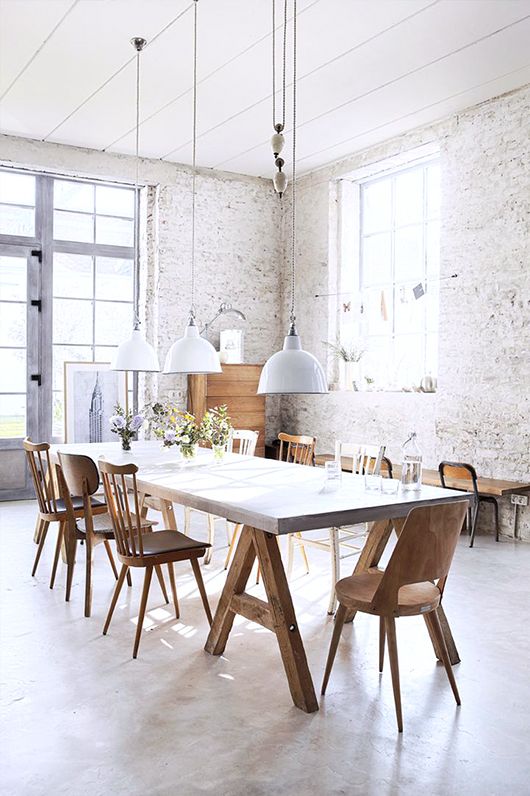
[{"x": 79, "y": 716}]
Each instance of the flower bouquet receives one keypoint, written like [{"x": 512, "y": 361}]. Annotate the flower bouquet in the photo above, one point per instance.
[
  {"x": 125, "y": 425},
  {"x": 174, "y": 427},
  {"x": 216, "y": 429}
]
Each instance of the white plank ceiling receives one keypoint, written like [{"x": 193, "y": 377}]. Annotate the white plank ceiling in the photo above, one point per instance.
[{"x": 368, "y": 70}]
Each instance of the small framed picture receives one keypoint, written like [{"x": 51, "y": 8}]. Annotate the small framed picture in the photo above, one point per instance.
[
  {"x": 91, "y": 391},
  {"x": 231, "y": 346}
]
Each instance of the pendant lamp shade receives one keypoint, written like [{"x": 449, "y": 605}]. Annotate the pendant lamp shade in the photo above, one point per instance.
[
  {"x": 136, "y": 354},
  {"x": 192, "y": 354},
  {"x": 292, "y": 370}
]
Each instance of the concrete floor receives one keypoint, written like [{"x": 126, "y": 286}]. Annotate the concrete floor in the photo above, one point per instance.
[{"x": 81, "y": 717}]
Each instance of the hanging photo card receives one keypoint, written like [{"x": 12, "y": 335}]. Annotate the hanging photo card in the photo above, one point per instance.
[{"x": 231, "y": 347}]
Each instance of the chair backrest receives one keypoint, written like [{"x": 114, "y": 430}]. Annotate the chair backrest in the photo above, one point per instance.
[
  {"x": 297, "y": 448},
  {"x": 77, "y": 476},
  {"x": 39, "y": 463},
  {"x": 247, "y": 440},
  {"x": 366, "y": 459},
  {"x": 127, "y": 528},
  {"x": 423, "y": 552},
  {"x": 460, "y": 471},
  {"x": 386, "y": 468}
]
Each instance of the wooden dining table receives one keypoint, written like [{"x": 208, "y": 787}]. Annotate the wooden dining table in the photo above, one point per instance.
[{"x": 270, "y": 499}]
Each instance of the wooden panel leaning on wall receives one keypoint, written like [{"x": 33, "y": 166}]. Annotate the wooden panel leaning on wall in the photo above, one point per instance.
[{"x": 236, "y": 387}]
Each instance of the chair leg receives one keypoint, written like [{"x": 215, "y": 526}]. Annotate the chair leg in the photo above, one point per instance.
[
  {"x": 43, "y": 530},
  {"x": 171, "y": 571},
  {"x": 381, "y": 642},
  {"x": 88, "y": 577},
  {"x": 390, "y": 626},
  {"x": 187, "y": 519},
  {"x": 117, "y": 589},
  {"x": 111, "y": 557},
  {"x": 129, "y": 579},
  {"x": 200, "y": 583},
  {"x": 445, "y": 655},
  {"x": 474, "y": 522},
  {"x": 232, "y": 545},
  {"x": 57, "y": 553},
  {"x": 303, "y": 552},
  {"x": 160, "y": 576},
  {"x": 211, "y": 535},
  {"x": 228, "y": 535},
  {"x": 70, "y": 565},
  {"x": 143, "y": 605},
  {"x": 497, "y": 527},
  {"x": 337, "y": 630},
  {"x": 335, "y": 567}
]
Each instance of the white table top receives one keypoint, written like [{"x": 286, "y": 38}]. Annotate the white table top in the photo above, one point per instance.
[{"x": 270, "y": 495}]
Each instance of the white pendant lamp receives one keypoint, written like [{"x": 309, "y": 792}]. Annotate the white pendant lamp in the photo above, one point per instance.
[
  {"x": 136, "y": 353},
  {"x": 193, "y": 353},
  {"x": 293, "y": 370}
]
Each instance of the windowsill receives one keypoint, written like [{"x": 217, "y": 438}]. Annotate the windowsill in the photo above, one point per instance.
[{"x": 382, "y": 391}]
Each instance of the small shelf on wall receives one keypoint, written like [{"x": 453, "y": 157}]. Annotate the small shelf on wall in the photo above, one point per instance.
[{"x": 236, "y": 387}]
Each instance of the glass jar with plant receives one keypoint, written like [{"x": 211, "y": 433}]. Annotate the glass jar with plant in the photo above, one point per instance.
[
  {"x": 125, "y": 425},
  {"x": 349, "y": 357},
  {"x": 216, "y": 428},
  {"x": 174, "y": 427}
]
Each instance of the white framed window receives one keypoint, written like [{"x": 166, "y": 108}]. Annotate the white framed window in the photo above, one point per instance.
[{"x": 395, "y": 318}]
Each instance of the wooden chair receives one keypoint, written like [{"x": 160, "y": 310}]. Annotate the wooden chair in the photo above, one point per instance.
[
  {"x": 246, "y": 445},
  {"x": 148, "y": 550},
  {"x": 78, "y": 479},
  {"x": 52, "y": 508},
  {"x": 466, "y": 472},
  {"x": 411, "y": 585},
  {"x": 364, "y": 459}
]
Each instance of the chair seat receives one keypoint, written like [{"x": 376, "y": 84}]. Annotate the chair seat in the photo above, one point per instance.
[
  {"x": 168, "y": 542},
  {"x": 357, "y": 592},
  {"x": 102, "y": 524},
  {"x": 77, "y": 503}
]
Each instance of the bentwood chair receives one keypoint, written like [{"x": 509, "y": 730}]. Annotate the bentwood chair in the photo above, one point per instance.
[
  {"x": 78, "y": 479},
  {"x": 136, "y": 548},
  {"x": 466, "y": 472},
  {"x": 365, "y": 459},
  {"x": 412, "y": 585},
  {"x": 246, "y": 441},
  {"x": 52, "y": 508}
]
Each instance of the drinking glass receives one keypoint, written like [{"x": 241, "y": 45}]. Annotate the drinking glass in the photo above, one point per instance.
[
  {"x": 390, "y": 486},
  {"x": 372, "y": 483},
  {"x": 333, "y": 474}
]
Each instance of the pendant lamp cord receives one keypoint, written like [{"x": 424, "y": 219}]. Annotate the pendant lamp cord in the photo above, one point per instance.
[
  {"x": 138, "y": 45},
  {"x": 193, "y": 162},
  {"x": 275, "y": 125},
  {"x": 292, "y": 316}
]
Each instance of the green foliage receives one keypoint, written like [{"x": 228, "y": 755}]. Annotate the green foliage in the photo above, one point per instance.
[{"x": 348, "y": 353}]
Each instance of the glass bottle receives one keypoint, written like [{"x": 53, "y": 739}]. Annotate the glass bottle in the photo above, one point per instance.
[{"x": 411, "y": 465}]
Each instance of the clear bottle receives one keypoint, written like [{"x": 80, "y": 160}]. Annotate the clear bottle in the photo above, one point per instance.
[{"x": 411, "y": 465}]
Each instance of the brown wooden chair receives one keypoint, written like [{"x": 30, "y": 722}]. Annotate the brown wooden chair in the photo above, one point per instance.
[
  {"x": 52, "y": 508},
  {"x": 297, "y": 448},
  {"x": 136, "y": 548},
  {"x": 466, "y": 472},
  {"x": 411, "y": 585}
]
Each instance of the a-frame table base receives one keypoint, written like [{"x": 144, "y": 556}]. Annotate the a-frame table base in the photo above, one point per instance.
[{"x": 277, "y": 614}]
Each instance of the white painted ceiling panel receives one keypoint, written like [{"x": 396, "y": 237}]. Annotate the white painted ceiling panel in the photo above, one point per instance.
[{"x": 367, "y": 68}]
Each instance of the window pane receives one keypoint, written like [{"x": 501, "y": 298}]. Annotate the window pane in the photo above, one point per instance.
[
  {"x": 73, "y": 196},
  {"x": 408, "y": 359},
  {"x": 431, "y": 355},
  {"x": 114, "y": 278},
  {"x": 409, "y": 253},
  {"x": 409, "y": 197},
  {"x": 376, "y": 363},
  {"x": 409, "y": 311},
  {"x": 113, "y": 322},
  {"x": 18, "y": 189},
  {"x": 377, "y": 206},
  {"x": 105, "y": 353},
  {"x": 433, "y": 191},
  {"x": 72, "y": 275},
  {"x": 12, "y": 416},
  {"x": 62, "y": 354},
  {"x": 72, "y": 322},
  {"x": 114, "y": 201},
  {"x": 377, "y": 259},
  {"x": 432, "y": 302},
  {"x": 12, "y": 279},
  {"x": 17, "y": 220},
  {"x": 13, "y": 369},
  {"x": 114, "y": 231},
  {"x": 12, "y": 324},
  {"x": 377, "y": 312},
  {"x": 73, "y": 226},
  {"x": 433, "y": 248}
]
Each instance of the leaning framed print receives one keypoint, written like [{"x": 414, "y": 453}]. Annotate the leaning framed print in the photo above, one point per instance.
[{"x": 91, "y": 391}]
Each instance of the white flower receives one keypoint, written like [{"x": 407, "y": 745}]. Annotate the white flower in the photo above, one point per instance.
[
  {"x": 117, "y": 422},
  {"x": 185, "y": 440}
]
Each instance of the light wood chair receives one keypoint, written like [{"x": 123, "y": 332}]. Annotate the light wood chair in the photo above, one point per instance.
[
  {"x": 466, "y": 472},
  {"x": 411, "y": 585},
  {"x": 135, "y": 548},
  {"x": 52, "y": 507},
  {"x": 246, "y": 441},
  {"x": 365, "y": 459}
]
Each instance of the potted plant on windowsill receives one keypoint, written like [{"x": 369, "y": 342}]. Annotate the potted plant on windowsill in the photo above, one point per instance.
[{"x": 349, "y": 357}]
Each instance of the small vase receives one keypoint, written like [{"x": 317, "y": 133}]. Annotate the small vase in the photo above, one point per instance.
[
  {"x": 125, "y": 444},
  {"x": 351, "y": 375},
  {"x": 218, "y": 453},
  {"x": 189, "y": 452}
]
